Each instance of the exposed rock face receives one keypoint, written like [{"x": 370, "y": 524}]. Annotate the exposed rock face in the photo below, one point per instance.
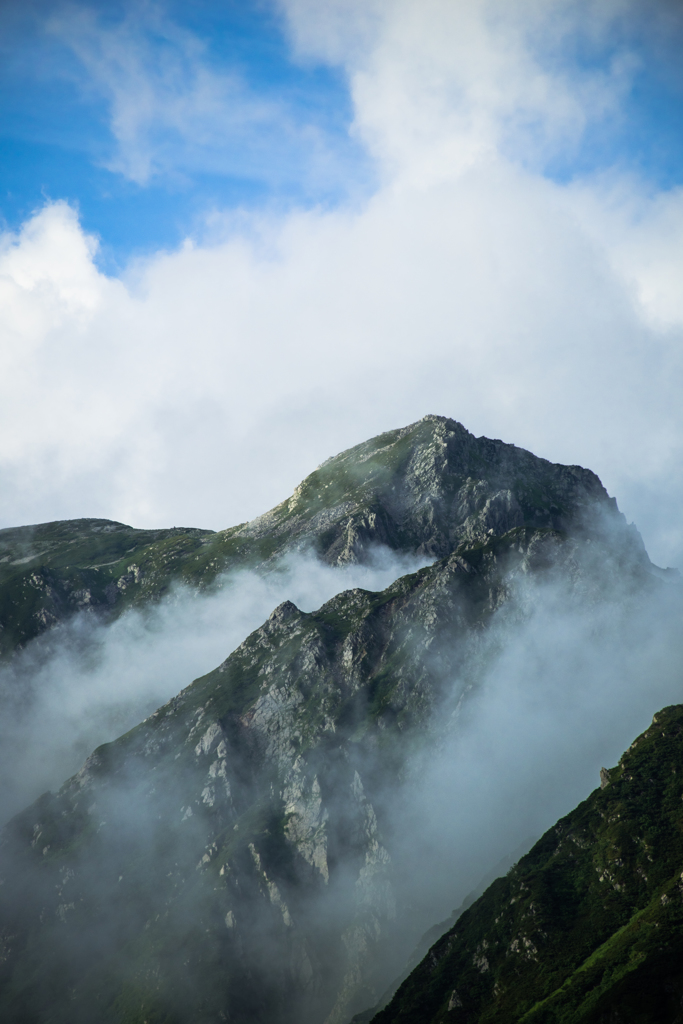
[
  {"x": 226, "y": 859},
  {"x": 430, "y": 488},
  {"x": 588, "y": 927}
]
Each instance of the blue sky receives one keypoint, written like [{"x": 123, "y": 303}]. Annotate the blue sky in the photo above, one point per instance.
[
  {"x": 291, "y": 144},
  {"x": 57, "y": 140},
  {"x": 240, "y": 237},
  {"x": 646, "y": 133}
]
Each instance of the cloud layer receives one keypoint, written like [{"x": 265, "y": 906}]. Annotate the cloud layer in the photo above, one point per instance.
[{"x": 199, "y": 387}]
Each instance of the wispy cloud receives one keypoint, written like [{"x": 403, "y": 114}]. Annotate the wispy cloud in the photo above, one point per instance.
[{"x": 173, "y": 112}]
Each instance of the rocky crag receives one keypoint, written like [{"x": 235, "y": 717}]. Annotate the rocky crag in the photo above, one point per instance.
[
  {"x": 588, "y": 926},
  {"x": 227, "y": 858}
]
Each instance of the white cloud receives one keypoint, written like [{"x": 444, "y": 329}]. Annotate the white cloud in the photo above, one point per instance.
[
  {"x": 644, "y": 234},
  {"x": 203, "y": 385},
  {"x": 443, "y": 84},
  {"x": 47, "y": 274}
]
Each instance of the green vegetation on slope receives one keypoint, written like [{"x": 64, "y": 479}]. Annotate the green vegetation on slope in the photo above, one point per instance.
[{"x": 588, "y": 926}]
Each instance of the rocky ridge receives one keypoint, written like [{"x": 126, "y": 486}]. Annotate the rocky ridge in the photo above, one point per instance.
[{"x": 428, "y": 489}]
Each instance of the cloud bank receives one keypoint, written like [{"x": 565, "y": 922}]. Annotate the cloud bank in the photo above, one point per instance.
[{"x": 201, "y": 385}]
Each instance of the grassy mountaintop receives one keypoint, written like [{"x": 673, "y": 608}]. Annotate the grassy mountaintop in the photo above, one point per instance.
[{"x": 51, "y": 571}]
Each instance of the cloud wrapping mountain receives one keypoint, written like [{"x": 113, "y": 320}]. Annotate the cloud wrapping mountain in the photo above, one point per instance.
[{"x": 270, "y": 843}]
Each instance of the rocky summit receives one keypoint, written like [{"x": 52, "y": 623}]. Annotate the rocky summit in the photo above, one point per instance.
[
  {"x": 426, "y": 489},
  {"x": 232, "y": 857}
]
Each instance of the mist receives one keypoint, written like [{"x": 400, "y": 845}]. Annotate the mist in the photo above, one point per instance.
[
  {"x": 88, "y": 681},
  {"x": 569, "y": 670},
  {"x": 482, "y": 265},
  {"x": 560, "y": 687}
]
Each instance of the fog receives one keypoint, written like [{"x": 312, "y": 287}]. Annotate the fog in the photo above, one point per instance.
[
  {"x": 481, "y": 271},
  {"x": 570, "y": 669},
  {"x": 88, "y": 681},
  {"x": 561, "y": 686}
]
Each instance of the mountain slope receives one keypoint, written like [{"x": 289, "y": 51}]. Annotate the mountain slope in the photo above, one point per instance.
[
  {"x": 231, "y": 857},
  {"x": 253, "y": 798},
  {"x": 588, "y": 926},
  {"x": 52, "y": 571},
  {"x": 427, "y": 488}
]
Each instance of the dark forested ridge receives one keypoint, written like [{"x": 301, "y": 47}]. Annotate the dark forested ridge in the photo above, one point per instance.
[{"x": 232, "y": 857}]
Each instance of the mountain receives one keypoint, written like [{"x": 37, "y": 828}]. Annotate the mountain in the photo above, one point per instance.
[
  {"x": 434, "y": 933},
  {"x": 52, "y": 571},
  {"x": 588, "y": 926},
  {"x": 236, "y": 856},
  {"x": 427, "y": 488}
]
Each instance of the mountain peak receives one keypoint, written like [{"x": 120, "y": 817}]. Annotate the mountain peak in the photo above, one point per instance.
[
  {"x": 428, "y": 488},
  {"x": 231, "y": 856}
]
